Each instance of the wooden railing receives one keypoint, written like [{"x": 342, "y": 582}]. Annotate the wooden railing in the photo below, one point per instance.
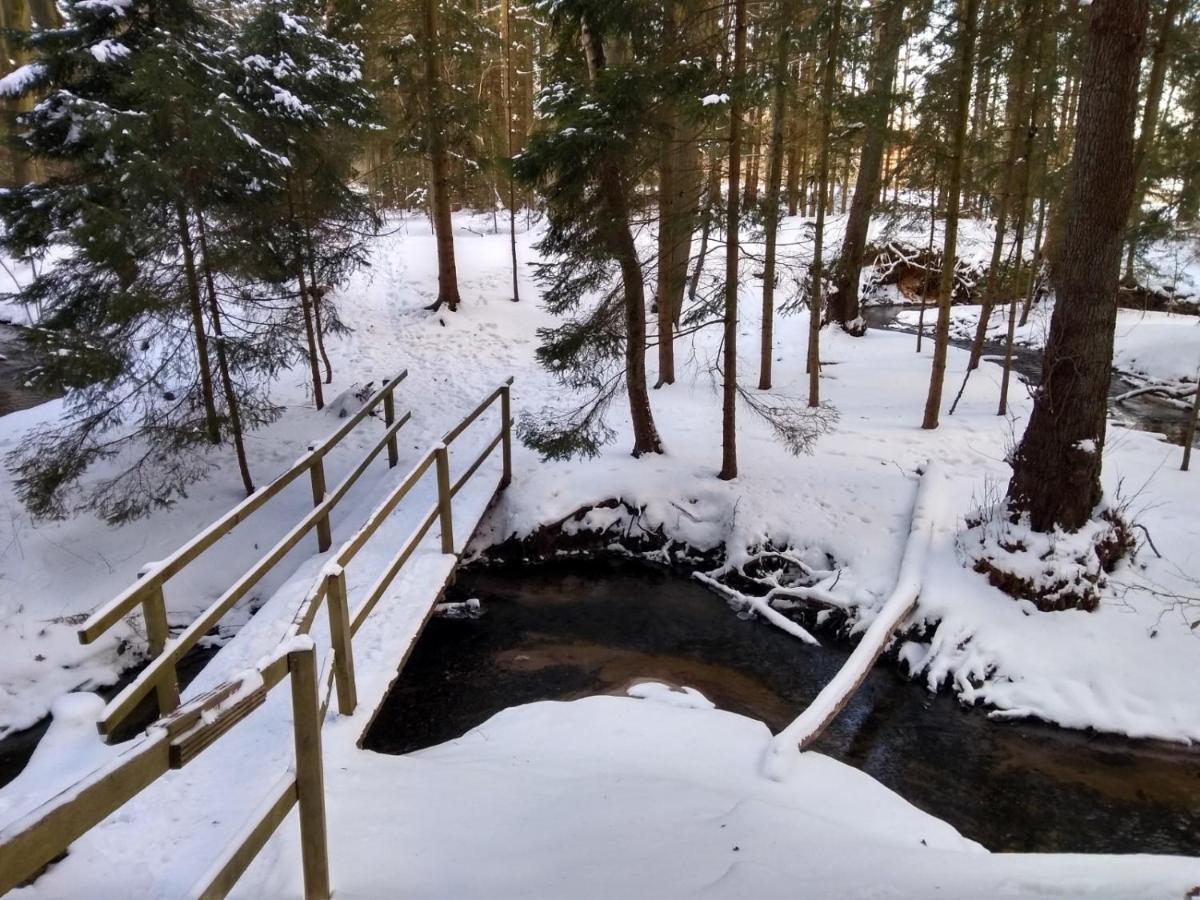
[
  {"x": 147, "y": 592},
  {"x": 176, "y": 739}
]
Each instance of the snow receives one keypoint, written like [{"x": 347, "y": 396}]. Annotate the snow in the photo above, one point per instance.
[
  {"x": 851, "y": 499},
  {"x": 783, "y": 752},
  {"x": 1153, "y": 346},
  {"x": 646, "y": 808},
  {"x": 21, "y": 79}
]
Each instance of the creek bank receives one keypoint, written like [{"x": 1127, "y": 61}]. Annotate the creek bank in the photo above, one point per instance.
[{"x": 573, "y": 627}]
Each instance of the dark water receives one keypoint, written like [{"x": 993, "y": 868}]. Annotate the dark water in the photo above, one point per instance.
[
  {"x": 571, "y": 629},
  {"x": 15, "y": 360},
  {"x": 1143, "y": 413}
]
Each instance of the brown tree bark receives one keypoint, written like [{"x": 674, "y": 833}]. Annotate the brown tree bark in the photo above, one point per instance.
[
  {"x": 1056, "y": 467},
  {"x": 1145, "y": 140},
  {"x": 439, "y": 164},
  {"x": 1017, "y": 126},
  {"x": 941, "y": 341},
  {"x": 843, "y": 299},
  {"x": 199, "y": 336},
  {"x": 729, "y": 465},
  {"x": 618, "y": 236},
  {"x": 232, "y": 403},
  {"x": 506, "y": 38},
  {"x": 779, "y": 108},
  {"x": 828, "y": 81},
  {"x": 679, "y": 190}
]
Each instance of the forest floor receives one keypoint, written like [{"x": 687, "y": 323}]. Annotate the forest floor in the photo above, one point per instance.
[{"x": 1129, "y": 668}]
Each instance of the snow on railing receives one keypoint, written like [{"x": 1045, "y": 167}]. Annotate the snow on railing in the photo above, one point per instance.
[{"x": 178, "y": 737}]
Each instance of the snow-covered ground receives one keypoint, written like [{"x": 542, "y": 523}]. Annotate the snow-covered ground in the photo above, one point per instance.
[
  {"x": 1129, "y": 667},
  {"x": 851, "y": 498}
]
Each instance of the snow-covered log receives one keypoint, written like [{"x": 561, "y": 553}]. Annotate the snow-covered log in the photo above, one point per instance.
[{"x": 786, "y": 746}]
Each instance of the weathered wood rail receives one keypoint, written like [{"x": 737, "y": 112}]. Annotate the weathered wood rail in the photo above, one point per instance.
[
  {"x": 148, "y": 591},
  {"x": 181, "y": 735}
]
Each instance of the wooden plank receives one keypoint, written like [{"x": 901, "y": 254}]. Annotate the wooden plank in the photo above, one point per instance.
[
  {"x": 375, "y": 594},
  {"x": 208, "y": 728},
  {"x": 324, "y": 532},
  {"x": 445, "y": 499},
  {"x": 104, "y": 618},
  {"x": 119, "y": 708},
  {"x": 40, "y": 837},
  {"x": 379, "y": 515},
  {"x": 154, "y": 612},
  {"x": 389, "y": 416},
  {"x": 506, "y": 431},
  {"x": 479, "y": 460},
  {"x": 310, "y": 777},
  {"x": 340, "y": 635},
  {"x": 224, "y": 873},
  {"x": 474, "y": 414}
]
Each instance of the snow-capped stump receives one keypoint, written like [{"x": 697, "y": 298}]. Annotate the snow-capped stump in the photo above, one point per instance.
[{"x": 1055, "y": 571}]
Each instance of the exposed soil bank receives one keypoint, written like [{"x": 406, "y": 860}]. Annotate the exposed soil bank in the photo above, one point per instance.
[{"x": 568, "y": 629}]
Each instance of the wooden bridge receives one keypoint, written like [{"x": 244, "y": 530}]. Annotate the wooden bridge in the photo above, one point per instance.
[{"x": 238, "y": 785}]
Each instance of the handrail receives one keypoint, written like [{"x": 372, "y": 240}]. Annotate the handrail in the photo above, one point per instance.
[
  {"x": 117, "y": 608},
  {"x": 160, "y": 675},
  {"x": 177, "y": 738}
]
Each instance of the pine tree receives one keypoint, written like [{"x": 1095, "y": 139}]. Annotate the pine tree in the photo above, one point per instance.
[
  {"x": 600, "y": 133},
  {"x": 1056, "y": 467},
  {"x": 123, "y": 84}
]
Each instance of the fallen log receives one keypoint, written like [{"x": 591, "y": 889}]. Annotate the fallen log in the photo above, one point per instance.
[{"x": 786, "y": 746}]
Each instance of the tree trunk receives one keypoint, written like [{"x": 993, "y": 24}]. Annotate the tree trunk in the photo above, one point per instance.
[
  {"x": 1016, "y": 138},
  {"x": 1056, "y": 467},
  {"x": 619, "y": 239},
  {"x": 966, "y": 49},
  {"x": 814, "y": 306},
  {"x": 318, "y": 293},
  {"x": 729, "y": 466},
  {"x": 780, "y": 91},
  {"x": 843, "y": 300},
  {"x": 1145, "y": 141},
  {"x": 196, "y": 311},
  {"x": 506, "y": 37},
  {"x": 231, "y": 398},
  {"x": 678, "y": 197},
  {"x": 1189, "y": 436},
  {"x": 310, "y": 336},
  {"x": 439, "y": 178}
]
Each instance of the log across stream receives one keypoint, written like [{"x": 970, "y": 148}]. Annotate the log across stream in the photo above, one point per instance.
[{"x": 569, "y": 629}]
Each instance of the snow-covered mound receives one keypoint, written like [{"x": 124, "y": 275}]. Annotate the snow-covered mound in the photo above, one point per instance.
[{"x": 657, "y": 798}]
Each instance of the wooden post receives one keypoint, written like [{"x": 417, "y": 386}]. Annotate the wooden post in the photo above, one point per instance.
[
  {"x": 443, "y": 481},
  {"x": 506, "y": 426},
  {"x": 324, "y": 535},
  {"x": 343, "y": 651},
  {"x": 389, "y": 418},
  {"x": 310, "y": 778},
  {"x": 154, "y": 611}
]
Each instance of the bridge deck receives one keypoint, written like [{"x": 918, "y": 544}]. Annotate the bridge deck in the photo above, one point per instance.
[{"x": 164, "y": 840}]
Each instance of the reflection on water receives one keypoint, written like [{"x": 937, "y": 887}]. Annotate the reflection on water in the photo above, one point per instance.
[{"x": 567, "y": 630}]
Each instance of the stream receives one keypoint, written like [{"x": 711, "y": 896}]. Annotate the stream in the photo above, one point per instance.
[{"x": 569, "y": 629}]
